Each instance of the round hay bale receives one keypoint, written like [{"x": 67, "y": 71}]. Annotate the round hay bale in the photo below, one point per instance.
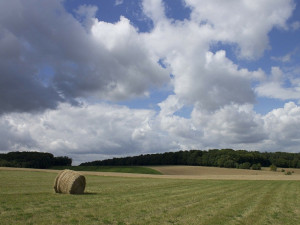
[{"x": 69, "y": 182}]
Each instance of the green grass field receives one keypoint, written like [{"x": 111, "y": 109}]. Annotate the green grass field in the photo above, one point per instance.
[
  {"x": 118, "y": 169},
  {"x": 28, "y": 198}
]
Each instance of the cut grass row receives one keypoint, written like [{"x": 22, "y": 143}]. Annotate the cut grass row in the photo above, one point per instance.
[
  {"x": 28, "y": 198},
  {"x": 118, "y": 169}
]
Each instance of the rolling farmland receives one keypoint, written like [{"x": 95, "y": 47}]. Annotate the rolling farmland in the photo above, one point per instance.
[{"x": 27, "y": 197}]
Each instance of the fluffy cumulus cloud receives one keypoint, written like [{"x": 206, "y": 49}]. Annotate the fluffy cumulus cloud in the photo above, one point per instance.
[
  {"x": 105, "y": 131},
  {"x": 57, "y": 69},
  {"x": 85, "y": 131},
  {"x": 246, "y": 23},
  {"x": 282, "y": 125},
  {"x": 232, "y": 124},
  {"x": 202, "y": 77},
  {"x": 279, "y": 86}
]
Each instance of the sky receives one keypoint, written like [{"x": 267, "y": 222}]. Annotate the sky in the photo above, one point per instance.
[{"x": 97, "y": 79}]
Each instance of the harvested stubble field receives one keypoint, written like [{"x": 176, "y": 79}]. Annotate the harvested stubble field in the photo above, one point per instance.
[
  {"x": 202, "y": 172},
  {"x": 27, "y": 197}
]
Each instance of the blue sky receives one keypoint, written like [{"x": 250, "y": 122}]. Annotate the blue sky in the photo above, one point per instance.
[{"x": 97, "y": 79}]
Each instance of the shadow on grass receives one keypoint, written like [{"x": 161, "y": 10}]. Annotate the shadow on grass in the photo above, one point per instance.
[{"x": 85, "y": 193}]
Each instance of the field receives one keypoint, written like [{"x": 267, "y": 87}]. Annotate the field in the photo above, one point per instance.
[
  {"x": 115, "y": 169},
  {"x": 202, "y": 172},
  {"x": 27, "y": 197}
]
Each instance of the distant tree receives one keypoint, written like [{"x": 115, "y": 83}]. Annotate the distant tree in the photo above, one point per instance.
[
  {"x": 245, "y": 165},
  {"x": 229, "y": 164},
  {"x": 199, "y": 161},
  {"x": 213, "y": 157},
  {"x": 221, "y": 161},
  {"x": 40, "y": 160},
  {"x": 192, "y": 157},
  {"x": 273, "y": 167},
  {"x": 62, "y": 161},
  {"x": 256, "y": 166}
]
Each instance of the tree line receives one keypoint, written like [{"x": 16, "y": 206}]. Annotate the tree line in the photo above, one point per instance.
[
  {"x": 228, "y": 158},
  {"x": 41, "y": 160}
]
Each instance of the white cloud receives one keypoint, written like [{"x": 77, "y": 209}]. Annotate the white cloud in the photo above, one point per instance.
[
  {"x": 15, "y": 136},
  {"x": 119, "y": 2},
  {"x": 86, "y": 14},
  {"x": 170, "y": 105},
  {"x": 154, "y": 9},
  {"x": 282, "y": 126},
  {"x": 246, "y": 23},
  {"x": 135, "y": 69},
  {"x": 214, "y": 82},
  {"x": 275, "y": 86},
  {"x": 238, "y": 127},
  {"x": 201, "y": 77},
  {"x": 230, "y": 125},
  {"x": 287, "y": 57},
  {"x": 295, "y": 25},
  {"x": 98, "y": 131},
  {"x": 83, "y": 131}
]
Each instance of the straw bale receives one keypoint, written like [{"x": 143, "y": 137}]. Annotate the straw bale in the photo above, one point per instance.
[{"x": 69, "y": 182}]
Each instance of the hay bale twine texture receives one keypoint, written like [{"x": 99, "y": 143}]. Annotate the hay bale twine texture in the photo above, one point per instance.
[{"x": 69, "y": 182}]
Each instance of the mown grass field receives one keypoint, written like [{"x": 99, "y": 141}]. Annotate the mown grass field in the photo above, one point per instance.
[
  {"x": 27, "y": 197},
  {"x": 117, "y": 169}
]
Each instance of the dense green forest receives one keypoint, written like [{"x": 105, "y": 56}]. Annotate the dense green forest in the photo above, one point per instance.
[
  {"x": 33, "y": 160},
  {"x": 218, "y": 158}
]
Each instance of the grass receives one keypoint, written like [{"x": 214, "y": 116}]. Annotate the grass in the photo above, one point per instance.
[
  {"x": 28, "y": 198},
  {"x": 118, "y": 169}
]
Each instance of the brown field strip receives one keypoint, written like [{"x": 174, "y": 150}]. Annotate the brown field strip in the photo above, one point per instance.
[{"x": 193, "y": 172}]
